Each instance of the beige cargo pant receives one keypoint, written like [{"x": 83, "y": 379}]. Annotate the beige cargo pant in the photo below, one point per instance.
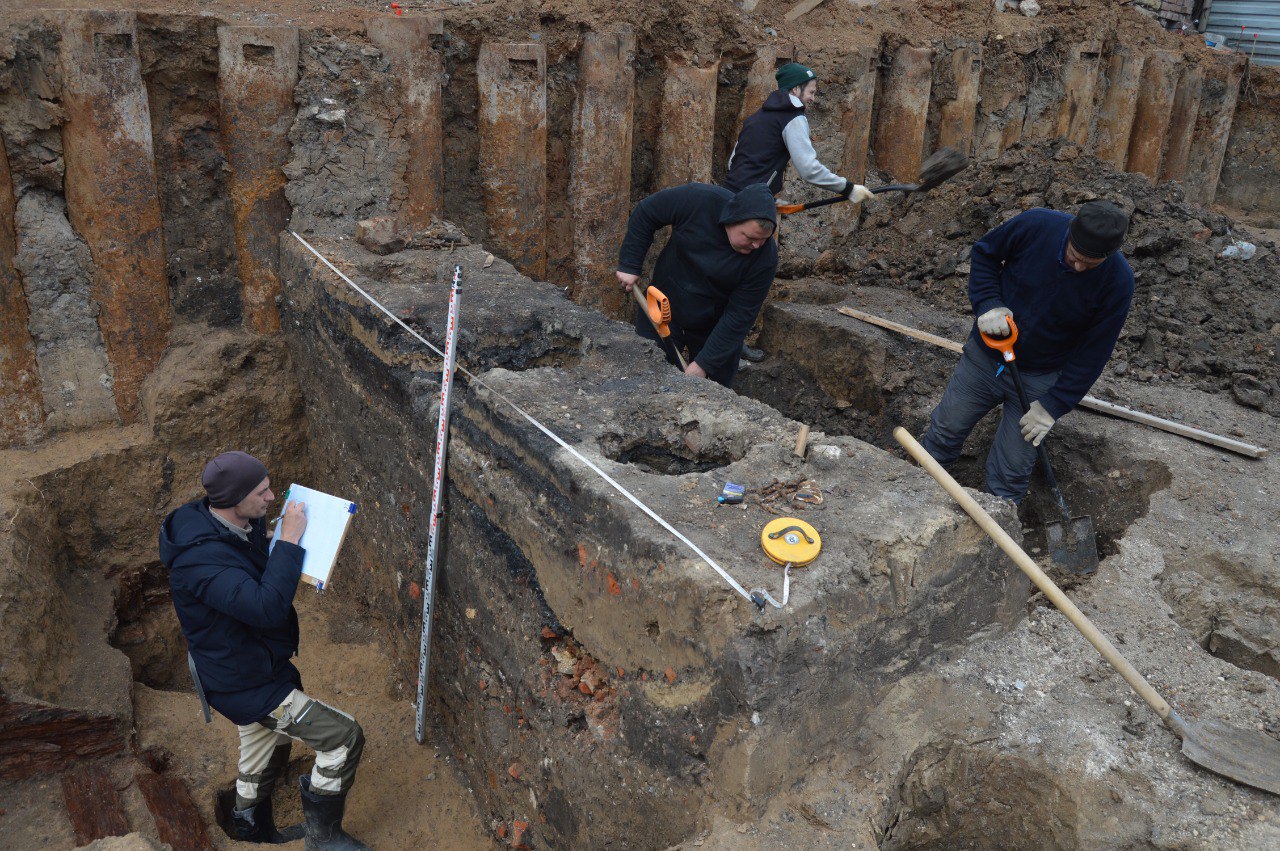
[{"x": 264, "y": 748}]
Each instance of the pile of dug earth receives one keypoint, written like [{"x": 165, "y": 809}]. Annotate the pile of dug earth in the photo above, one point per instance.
[{"x": 1198, "y": 319}]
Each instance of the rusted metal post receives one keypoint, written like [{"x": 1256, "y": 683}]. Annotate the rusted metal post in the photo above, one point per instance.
[
  {"x": 513, "y": 151},
  {"x": 1078, "y": 84},
  {"x": 1154, "y": 110},
  {"x": 855, "y": 129},
  {"x": 1213, "y": 127},
  {"x": 1182, "y": 122},
  {"x": 1115, "y": 118},
  {"x": 21, "y": 405},
  {"x": 904, "y": 113},
  {"x": 257, "y": 71},
  {"x": 600, "y": 183},
  {"x": 112, "y": 196},
  {"x": 688, "y": 124},
  {"x": 761, "y": 81},
  {"x": 419, "y": 73},
  {"x": 958, "y": 76}
]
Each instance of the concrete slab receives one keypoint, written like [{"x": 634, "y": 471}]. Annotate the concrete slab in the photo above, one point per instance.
[
  {"x": 257, "y": 71},
  {"x": 624, "y": 661},
  {"x": 21, "y": 405},
  {"x": 600, "y": 184},
  {"x": 687, "y": 128},
  {"x": 112, "y": 197},
  {"x": 904, "y": 113},
  {"x": 513, "y": 151},
  {"x": 406, "y": 42}
]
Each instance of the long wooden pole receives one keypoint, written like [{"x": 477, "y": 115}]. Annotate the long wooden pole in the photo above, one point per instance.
[
  {"x": 1100, "y": 642},
  {"x": 1089, "y": 402}
]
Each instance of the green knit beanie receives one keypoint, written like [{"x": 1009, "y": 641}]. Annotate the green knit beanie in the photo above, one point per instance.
[{"x": 794, "y": 74}]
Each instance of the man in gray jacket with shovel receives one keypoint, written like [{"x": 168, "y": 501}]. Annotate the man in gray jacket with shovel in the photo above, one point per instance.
[{"x": 1062, "y": 279}]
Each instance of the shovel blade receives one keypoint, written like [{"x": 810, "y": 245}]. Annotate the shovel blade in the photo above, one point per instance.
[
  {"x": 1073, "y": 545},
  {"x": 1245, "y": 756}
]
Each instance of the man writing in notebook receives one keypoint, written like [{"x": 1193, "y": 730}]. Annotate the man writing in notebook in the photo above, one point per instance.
[{"x": 234, "y": 601}]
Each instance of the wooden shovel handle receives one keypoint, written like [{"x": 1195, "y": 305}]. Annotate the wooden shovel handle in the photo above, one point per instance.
[{"x": 1032, "y": 570}]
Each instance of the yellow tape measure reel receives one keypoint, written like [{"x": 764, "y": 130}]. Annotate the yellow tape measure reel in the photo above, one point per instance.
[{"x": 789, "y": 540}]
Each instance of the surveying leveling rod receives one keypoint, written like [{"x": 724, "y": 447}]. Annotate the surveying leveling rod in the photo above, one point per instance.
[{"x": 437, "y": 497}]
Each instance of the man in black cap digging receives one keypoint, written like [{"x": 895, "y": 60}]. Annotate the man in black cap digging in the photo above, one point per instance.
[
  {"x": 1062, "y": 279},
  {"x": 234, "y": 600},
  {"x": 716, "y": 268}
]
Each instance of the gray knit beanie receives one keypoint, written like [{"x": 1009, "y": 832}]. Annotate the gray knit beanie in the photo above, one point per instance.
[{"x": 230, "y": 477}]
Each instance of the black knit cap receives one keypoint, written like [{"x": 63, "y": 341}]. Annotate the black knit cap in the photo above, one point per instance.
[
  {"x": 230, "y": 477},
  {"x": 1098, "y": 229}
]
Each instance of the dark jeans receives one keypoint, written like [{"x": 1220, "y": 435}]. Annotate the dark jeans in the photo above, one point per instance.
[
  {"x": 692, "y": 340},
  {"x": 974, "y": 389}
]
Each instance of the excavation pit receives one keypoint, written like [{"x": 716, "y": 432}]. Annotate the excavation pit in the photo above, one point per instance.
[{"x": 593, "y": 682}]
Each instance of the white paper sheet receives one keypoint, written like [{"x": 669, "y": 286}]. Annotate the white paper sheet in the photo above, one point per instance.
[{"x": 327, "y": 519}]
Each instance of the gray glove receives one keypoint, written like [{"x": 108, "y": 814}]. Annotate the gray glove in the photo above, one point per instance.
[
  {"x": 992, "y": 323},
  {"x": 1035, "y": 423},
  {"x": 856, "y": 192}
]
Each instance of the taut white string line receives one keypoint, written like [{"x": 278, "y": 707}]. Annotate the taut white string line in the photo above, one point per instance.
[{"x": 653, "y": 515}]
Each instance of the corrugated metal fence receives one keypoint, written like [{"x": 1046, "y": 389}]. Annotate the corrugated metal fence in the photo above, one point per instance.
[{"x": 1260, "y": 17}]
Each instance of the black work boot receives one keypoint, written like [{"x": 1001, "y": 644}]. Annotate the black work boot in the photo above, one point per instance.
[
  {"x": 752, "y": 354},
  {"x": 323, "y": 816},
  {"x": 257, "y": 824}
]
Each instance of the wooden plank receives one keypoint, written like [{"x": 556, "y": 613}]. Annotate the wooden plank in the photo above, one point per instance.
[
  {"x": 803, "y": 8},
  {"x": 1088, "y": 402},
  {"x": 177, "y": 820},
  {"x": 36, "y": 738},
  {"x": 93, "y": 805}
]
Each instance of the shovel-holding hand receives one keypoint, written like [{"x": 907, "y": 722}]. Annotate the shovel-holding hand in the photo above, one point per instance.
[
  {"x": 1035, "y": 423},
  {"x": 627, "y": 281}
]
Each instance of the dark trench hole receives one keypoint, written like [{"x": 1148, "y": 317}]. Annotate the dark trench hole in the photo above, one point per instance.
[
  {"x": 148, "y": 633},
  {"x": 660, "y": 459}
]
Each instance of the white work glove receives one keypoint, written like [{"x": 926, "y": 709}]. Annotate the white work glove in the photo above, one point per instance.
[
  {"x": 1035, "y": 423},
  {"x": 856, "y": 192},
  {"x": 992, "y": 323}
]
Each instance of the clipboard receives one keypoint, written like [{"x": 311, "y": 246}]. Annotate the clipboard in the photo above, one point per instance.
[{"x": 328, "y": 518}]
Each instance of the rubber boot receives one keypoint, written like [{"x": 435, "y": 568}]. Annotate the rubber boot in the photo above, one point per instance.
[
  {"x": 257, "y": 824},
  {"x": 751, "y": 354},
  {"x": 323, "y": 815}
]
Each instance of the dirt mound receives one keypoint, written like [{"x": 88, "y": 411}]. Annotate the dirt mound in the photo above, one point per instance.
[{"x": 1198, "y": 319}]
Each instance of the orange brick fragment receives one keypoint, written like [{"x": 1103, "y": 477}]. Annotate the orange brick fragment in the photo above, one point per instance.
[
  {"x": 515, "y": 770},
  {"x": 670, "y": 674},
  {"x": 614, "y": 588}
]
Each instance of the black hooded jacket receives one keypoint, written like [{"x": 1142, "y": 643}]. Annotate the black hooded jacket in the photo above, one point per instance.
[
  {"x": 714, "y": 291},
  {"x": 761, "y": 155},
  {"x": 235, "y": 605}
]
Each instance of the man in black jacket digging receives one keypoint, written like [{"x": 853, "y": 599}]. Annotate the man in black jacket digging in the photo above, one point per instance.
[
  {"x": 716, "y": 268},
  {"x": 234, "y": 600}
]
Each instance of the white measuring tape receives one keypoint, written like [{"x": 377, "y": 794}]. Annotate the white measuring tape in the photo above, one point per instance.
[{"x": 653, "y": 515}]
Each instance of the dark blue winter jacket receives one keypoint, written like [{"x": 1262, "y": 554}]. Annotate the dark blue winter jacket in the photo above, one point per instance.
[
  {"x": 1067, "y": 321},
  {"x": 235, "y": 604}
]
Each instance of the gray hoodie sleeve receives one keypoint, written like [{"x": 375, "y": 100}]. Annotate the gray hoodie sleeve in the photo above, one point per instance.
[{"x": 805, "y": 158}]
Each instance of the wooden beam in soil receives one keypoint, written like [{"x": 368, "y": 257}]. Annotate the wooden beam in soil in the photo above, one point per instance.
[
  {"x": 178, "y": 821},
  {"x": 1089, "y": 402},
  {"x": 93, "y": 804}
]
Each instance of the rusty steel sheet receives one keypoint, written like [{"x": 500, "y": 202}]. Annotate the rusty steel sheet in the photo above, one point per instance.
[
  {"x": 855, "y": 130},
  {"x": 406, "y": 42},
  {"x": 257, "y": 72},
  {"x": 961, "y": 70},
  {"x": 1152, "y": 115},
  {"x": 600, "y": 181},
  {"x": 1182, "y": 122},
  {"x": 761, "y": 81},
  {"x": 113, "y": 199},
  {"x": 687, "y": 124},
  {"x": 1213, "y": 126},
  {"x": 1114, "y": 120},
  {"x": 904, "y": 113},
  {"x": 21, "y": 402},
  {"x": 1079, "y": 81},
  {"x": 512, "y": 122}
]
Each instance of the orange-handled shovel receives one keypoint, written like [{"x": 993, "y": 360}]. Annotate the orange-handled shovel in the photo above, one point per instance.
[{"x": 655, "y": 306}]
